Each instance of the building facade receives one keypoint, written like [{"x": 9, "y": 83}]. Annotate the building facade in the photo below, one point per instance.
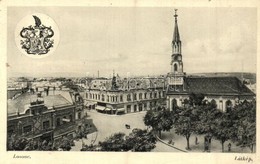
[
  {"x": 45, "y": 117},
  {"x": 225, "y": 92},
  {"x": 119, "y": 96}
]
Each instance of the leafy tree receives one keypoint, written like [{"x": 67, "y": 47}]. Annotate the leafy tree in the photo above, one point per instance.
[
  {"x": 140, "y": 140},
  {"x": 115, "y": 142},
  {"x": 244, "y": 116},
  {"x": 159, "y": 119},
  {"x": 185, "y": 123},
  {"x": 224, "y": 129},
  {"x": 196, "y": 98},
  {"x": 206, "y": 124},
  {"x": 65, "y": 144}
]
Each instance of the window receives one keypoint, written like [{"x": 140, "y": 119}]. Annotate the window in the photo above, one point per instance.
[
  {"x": 99, "y": 97},
  {"x": 128, "y": 97},
  {"x": 107, "y": 98},
  {"x": 27, "y": 129},
  {"x": 103, "y": 97},
  {"x": 134, "y": 96},
  {"x": 46, "y": 124},
  {"x": 145, "y": 94},
  {"x": 79, "y": 115},
  {"x": 140, "y": 96},
  {"x": 155, "y": 95},
  {"x": 58, "y": 122},
  {"x": 151, "y": 95},
  {"x": 175, "y": 67},
  {"x": 71, "y": 118},
  {"x": 86, "y": 95},
  {"x": 121, "y": 98},
  {"x": 221, "y": 105}
]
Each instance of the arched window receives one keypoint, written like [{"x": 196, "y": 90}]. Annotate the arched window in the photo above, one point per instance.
[
  {"x": 174, "y": 103},
  {"x": 228, "y": 106},
  {"x": 103, "y": 97},
  {"x": 175, "y": 67},
  {"x": 213, "y": 103}
]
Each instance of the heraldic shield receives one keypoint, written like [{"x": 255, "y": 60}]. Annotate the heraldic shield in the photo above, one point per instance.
[{"x": 37, "y": 39}]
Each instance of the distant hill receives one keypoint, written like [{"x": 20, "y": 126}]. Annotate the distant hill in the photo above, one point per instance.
[{"x": 249, "y": 76}]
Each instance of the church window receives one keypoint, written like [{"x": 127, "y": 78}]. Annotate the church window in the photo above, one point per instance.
[
  {"x": 228, "y": 105},
  {"x": 174, "y": 104},
  {"x": 175, "y": 67}
]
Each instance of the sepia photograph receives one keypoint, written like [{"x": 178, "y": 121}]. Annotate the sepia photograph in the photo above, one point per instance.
[{"x": 164, "y": 79}]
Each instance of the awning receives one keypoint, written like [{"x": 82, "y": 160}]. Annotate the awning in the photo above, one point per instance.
[
  {"x": 108, "y": 109},
  {"x": 120, "y": 110},
  {"x": 100, "y": 108}
]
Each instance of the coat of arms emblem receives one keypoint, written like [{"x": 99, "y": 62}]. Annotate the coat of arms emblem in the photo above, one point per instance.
[{"x": 37, "y": 39}]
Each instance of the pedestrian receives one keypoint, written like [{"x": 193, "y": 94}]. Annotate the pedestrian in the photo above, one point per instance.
[{"x": 229, "y": 147}]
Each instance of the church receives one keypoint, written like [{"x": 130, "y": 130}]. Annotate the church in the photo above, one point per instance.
[{"x": 225, "y": 92}]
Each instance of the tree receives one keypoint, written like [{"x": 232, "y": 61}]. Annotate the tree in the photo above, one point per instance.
[
  {"x": 206, "y": 124},
  {"x": 65, "y": 143},
  {"x": 224, "y": 129},
  {"x": 159, "y": 119},
  {"x": 196, "y": 98},
  {"x": 244, "y": 116},
  {"x": 185, "y": 123},
  {"x": 115, "y": 142},
  {"x": 140, "y": 140}
]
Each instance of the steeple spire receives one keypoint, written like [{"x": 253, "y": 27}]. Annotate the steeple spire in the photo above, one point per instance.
[{"x": 176, "y": 35}]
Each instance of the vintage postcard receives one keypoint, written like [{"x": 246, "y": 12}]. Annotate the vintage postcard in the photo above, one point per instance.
[{"x": 129, "y": 82}]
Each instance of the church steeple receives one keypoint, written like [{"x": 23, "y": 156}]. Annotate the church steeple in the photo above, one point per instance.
[
  {"x": 177, "y": 66},
  {"x": 176, "y": 42},
  {"x": 176, "y": 75}
]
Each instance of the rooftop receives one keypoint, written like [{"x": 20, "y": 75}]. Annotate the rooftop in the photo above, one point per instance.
[
  {"x": 21, "y": 103},
  {"x": 211, "y": 85}
]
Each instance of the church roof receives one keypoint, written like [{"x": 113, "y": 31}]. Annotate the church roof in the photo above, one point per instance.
[{"x": 211, "y": 86}]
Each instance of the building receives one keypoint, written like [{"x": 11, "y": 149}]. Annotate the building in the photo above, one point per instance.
[
  {"x": 118, "y": 96},
  {"x": 41, "y": 116},
  {"x": 224, "y": 91}
]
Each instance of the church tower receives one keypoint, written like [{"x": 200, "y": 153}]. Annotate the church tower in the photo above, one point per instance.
[{"x": 176, "y": 76}]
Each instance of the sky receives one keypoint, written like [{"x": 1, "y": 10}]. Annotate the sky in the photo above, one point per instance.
[{"x": 137, "y": 41}]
